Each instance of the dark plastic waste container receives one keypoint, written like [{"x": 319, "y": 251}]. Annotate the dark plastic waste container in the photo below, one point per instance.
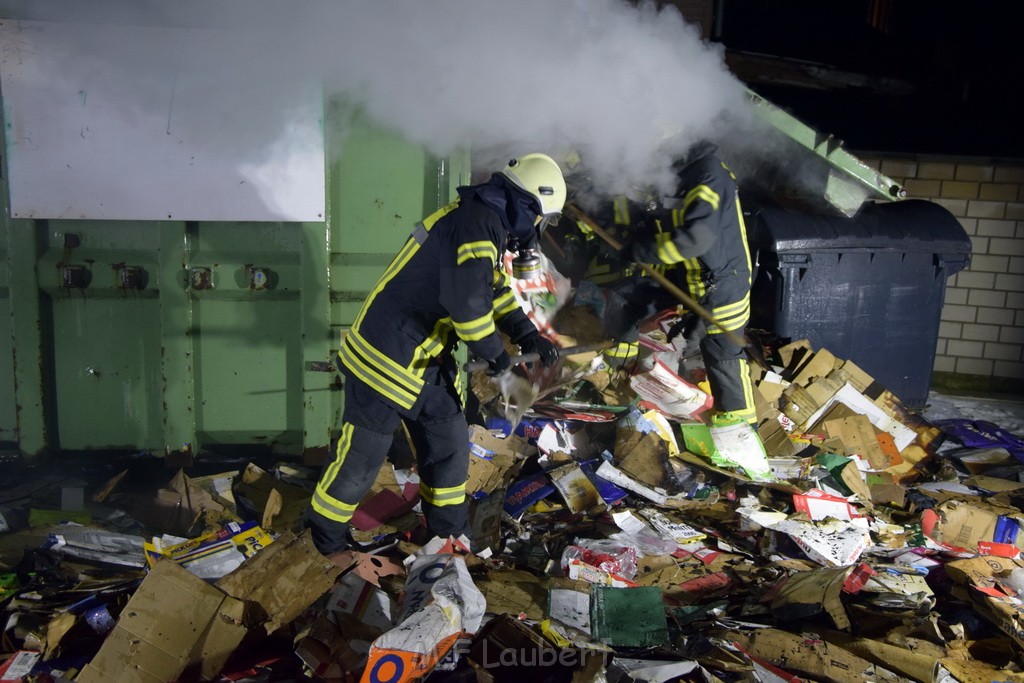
[{"x": 868, "y": 288}]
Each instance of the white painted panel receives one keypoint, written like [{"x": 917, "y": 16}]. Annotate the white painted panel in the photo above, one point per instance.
[{"x": 151, "y": 122}]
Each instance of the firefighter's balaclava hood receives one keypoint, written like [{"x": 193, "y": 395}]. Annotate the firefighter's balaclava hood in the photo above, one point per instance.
[{"x": 519, "y": 212}]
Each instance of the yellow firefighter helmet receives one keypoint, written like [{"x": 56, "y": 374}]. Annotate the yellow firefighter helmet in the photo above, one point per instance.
[{"x": 539, "y": 175}]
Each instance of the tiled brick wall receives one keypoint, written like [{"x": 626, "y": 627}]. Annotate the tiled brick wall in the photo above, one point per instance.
[{"x": 981, "y": 335}]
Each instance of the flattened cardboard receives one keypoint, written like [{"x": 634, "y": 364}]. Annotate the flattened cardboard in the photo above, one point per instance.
[
  {"x": 173, "y": 621},
  {"x": 797, "y": 405},
  {"x": 818, "y": 365},
  {"x": 808, "y": 593},
  {"x": 284, "y": 578},
  {"x": 914, "y": 665},
  {"x": 980, "y": 574},
  {"x": 578, "y": 492},
  {"x": 645, "y": 462},
  {"x": 514, "y": 592},
  {"x": 280, "y": 504},
  {"x": 965, "y": 523},
  {"x": 858, "y": 436},
  {"x": 951, "y": 670},
  {"x": 494, "y": 461},
  {"x": 777, "y": 443},
  {"x": 816, "y": 659}
]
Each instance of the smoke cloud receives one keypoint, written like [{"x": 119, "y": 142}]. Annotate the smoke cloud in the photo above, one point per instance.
[{"x": 627, "y": 87}]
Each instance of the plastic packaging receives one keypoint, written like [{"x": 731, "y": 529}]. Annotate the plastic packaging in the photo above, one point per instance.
[{"x": 607, "y": 555}]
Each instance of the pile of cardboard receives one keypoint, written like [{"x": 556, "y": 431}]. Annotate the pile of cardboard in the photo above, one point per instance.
[{"x": 617, "y": 536}]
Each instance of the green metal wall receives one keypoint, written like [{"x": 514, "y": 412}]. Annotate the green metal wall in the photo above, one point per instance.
[{"x": 166, "y": 336}]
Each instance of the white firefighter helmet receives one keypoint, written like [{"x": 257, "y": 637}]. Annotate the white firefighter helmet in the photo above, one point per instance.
[{"x": 539, "y": 175}]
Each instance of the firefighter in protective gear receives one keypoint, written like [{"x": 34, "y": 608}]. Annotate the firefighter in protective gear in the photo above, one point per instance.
[
  {"x": 446, "y": 285},
  {"x": 701, "y": 232}
]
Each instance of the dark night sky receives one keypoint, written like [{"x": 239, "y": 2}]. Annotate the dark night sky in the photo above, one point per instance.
[{"x": 962, "y": 64}]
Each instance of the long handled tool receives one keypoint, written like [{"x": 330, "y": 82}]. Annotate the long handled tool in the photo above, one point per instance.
[
  {"x": 476, "y": 365},
  {"x": 755, "y": 355},
  {"x": 519, "y": 393}
]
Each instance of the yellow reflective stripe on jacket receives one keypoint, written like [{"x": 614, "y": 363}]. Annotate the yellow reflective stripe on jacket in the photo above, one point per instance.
[
  {"x": 700, "y": 192},
  {"x": 667, "y": 251},
  {"x": 620, "y": 206},
  {"x": 382, "y": 384},
  {"x": 470, "y": 250},
  {"x": 743, "y": 236},
  {"x": 474, "y": 330},
  {"x": 732, "y": 316},
  {"x": 431, "y": 347},
  {"x": 623, "y": 350},
  {"x": 400, "y": 375},
  {"x": 440, "y": 497},
  {"x": 505, "y": 304},
  {"x": 694, "y": 277}
]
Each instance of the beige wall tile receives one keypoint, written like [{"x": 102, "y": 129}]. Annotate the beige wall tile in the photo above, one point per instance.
[
  {"x": 917, "y": 187},
  {"x": 957, "y": 207},
  {"x": 930, "y": 170},
  {"x": 975, "y": 332},
  {"x": 1007, "y": 247},
  {"x": 979, "y": 172},
  {"x": 995, "y": 351},
  {"x": 981, "y": 209},
  {"x": 995, "y": 316},
  {"x": 970, "y": 349},
  {"x": 1009, "y": 174},
  {"x": 986, "y": 297},
  {"x": 990, "y": 264},
  {"x": 959, "y": 314},
  {"x": 1009, "y": 282},
  {"x": 974, "y": 366},
  {"x": 1015, "y": 210},
  {"x": 1008, "y": 369},
  {"x": 1001, "y": 192},
  {"x": 950, "y": 330},
  {"x": 969, "y": 278},
  {"x": 1011, "y": 335},
  {"x": 959, "y": 189},
  {"x": 994, "y": 227},
  {"x": 956, "y": 295},
  {"x": 944, "y": 364},
  {"x": 899, "y": 167}
]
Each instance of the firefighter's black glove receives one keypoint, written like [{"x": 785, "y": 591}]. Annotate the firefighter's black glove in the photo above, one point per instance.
[
  {"x": 692, "y": 328},
  {"x": 542, "y": 346},
  {"x": 498, "y": 366}
]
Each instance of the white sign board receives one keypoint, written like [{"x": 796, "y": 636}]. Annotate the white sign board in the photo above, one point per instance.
[{"x": 156, "y": 123}]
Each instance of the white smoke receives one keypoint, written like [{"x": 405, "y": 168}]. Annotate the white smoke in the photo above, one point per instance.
[{"x": 627, "y": 87}]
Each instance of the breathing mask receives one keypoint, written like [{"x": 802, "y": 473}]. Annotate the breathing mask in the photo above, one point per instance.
[{"x": 526, "y": 264}]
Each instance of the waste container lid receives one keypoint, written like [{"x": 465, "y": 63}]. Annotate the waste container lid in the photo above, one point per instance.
[{"x": 912, "y": 225}]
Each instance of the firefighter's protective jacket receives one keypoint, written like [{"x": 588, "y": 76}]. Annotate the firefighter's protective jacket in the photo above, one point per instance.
[
  {"x": 447, "y": 284},
  {"x": 705, "y": 238}
]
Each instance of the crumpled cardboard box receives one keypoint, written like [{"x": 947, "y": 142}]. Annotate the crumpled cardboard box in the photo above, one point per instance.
[
  {"x": 283, "y": 579},
  {"x": 175, "y": 625}
]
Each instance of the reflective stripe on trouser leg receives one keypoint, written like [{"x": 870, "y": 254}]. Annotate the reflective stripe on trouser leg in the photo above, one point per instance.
[
  {"x": 440, "y": 436},
  {"x": 729, "y": 376},
  {"x": 366, "y": 435}
]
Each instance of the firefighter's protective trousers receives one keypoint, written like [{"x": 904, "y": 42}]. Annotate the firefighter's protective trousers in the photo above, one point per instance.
[
  {"x": 439, "y": 437},
  {"x": 704, "y": 238}
]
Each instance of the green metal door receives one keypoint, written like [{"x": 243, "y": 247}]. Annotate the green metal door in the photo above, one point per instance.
[{"x": 173, "y": 336}]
